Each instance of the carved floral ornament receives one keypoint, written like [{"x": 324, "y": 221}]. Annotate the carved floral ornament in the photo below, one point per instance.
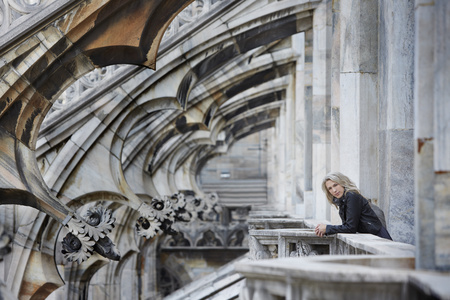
[
  {"x": 161, "y": 215},
  {"x": 89, "y": 234}
]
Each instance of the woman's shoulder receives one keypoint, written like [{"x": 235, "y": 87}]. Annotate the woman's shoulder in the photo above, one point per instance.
[{"x": 353, "y": 195}]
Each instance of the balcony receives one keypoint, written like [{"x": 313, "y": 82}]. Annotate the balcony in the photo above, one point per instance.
[{"x": 288, "y": 261}]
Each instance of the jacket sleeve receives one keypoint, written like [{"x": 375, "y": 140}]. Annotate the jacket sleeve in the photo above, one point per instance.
[{"x": 353, "y": 208}]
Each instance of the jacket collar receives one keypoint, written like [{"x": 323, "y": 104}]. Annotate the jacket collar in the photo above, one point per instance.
[{"x": 340, "y": 201}]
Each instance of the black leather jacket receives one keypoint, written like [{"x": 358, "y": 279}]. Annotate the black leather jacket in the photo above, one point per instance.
[{"x": 356, "y": 215}]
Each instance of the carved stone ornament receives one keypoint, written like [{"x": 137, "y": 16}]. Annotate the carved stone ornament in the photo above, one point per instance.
[
  {"x": 257, "y": 250},
  {"x": 148, "y": 228},
  {"x": 146, "y": 211},
  {"x": 163, "y": 214},
  {"x": 163, "y": 209},
  {"x": 195, "y": 207},
  {"x": 79, "y": 244},
  {"x": 99, "y": 222},
  {"x": 212, "y": 207},
  {"x": 77, "y": 248},
  {"x": 147, "y": 225},
  {"x": 178, "y": 201},
  {"x": 303, "y": 249},
  {"x": 106, "y": 248}
]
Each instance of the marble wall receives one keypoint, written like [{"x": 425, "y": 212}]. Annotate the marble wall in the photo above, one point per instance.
[
  {"x": 431, "y": 134},
  {"x": 396, "y": 119}
]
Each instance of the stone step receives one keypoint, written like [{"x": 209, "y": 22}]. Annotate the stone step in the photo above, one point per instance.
[{"x": 238, "y": 192}]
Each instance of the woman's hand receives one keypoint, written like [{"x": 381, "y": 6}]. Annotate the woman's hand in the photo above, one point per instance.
[{"x": 321, "y": 229}]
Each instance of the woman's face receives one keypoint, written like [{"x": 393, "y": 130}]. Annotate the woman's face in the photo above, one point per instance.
[{"x": 334, "y": 188}]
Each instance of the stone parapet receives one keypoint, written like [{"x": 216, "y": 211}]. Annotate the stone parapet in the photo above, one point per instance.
[
  {"x": 341, "y": 277},
  {"x": 294, "y": 263},
  {"x": 275, "y": 223},
  {"x": 284, "y": 237},
  {"x": 326, "y": 277}
]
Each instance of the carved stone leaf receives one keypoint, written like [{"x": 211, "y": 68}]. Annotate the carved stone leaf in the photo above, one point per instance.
[
  {"x": 146, "y": 211},
  {"x": 148, "y": 228},
  {"x": 163, "y": 209},
  {"x": 76, "y": 226},
  {"x": 77, "y": 248},
  {"x": 99, "y": 222},
  {"x": 178, "y": 201}
]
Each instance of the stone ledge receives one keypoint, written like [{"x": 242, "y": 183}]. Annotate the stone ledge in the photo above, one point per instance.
[
  {"x": 344, "y": 268},
  {"x": 376, "y": 245},
  {"x": 343, "y": 277},
  {"x": 435, "y": 285}
]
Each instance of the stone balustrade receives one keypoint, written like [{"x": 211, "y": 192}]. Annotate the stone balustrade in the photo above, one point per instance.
[
  {"x": 276, "y": 223},
  {"x": 327, "y": 277},
  {"x": 288, "y": 261},
  {"x": 279, "y": 243}
]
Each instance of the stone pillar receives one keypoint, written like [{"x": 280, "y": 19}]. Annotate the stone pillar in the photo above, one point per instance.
[
  {"x": 442, "y": 135},
  {"x": 276, "y": 166},
  {"x": 298, "y": 44},
  {"x": 281, "y": 157},
  {"x": 432, "y": 135},
  {"x": 321, "y": 105},
  {"x": 396, "y": 120},
  {"x": 289, "y": 137},
  {"x": 308, "y": 131},
  {"x": 358, "y": 93},
  {"x": 272, "y": 166},
  {"x": 335, "y": 100}
]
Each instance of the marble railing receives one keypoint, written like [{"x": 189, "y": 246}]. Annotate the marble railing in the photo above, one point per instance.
[
  {"x": 294, "y": 237},
  {"x": 293, "y": 263},
  {"x": 279, "y": 243},
  {"x": 327, "y": 277}
]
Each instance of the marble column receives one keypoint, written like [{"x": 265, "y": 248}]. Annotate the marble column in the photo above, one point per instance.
[
  {"x": 271, "y": 166},
  {"x": 298, "y": 44},
  {"x": 308, "y": 130},
  {"x": 432, "y": 134},
  {"x": 321, "y": 105},
  {"x": 396, "y": 119},
  {"x": 442, "y": 135},
  {"x": 289, "y": 137},
  {"x": 358, "y": 93},
  {"x": 335, "y": 99},
  {"x": 281, "y": 158}
]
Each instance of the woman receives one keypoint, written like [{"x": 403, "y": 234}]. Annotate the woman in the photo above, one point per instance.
[{"x": 354, "y": 210}]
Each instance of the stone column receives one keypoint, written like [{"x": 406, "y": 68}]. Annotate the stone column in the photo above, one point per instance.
[
  {"x": 298, "y": 44},
  {"x": 396, "y": 120},
  {"x": 281, "y": 158},
  {"x": 432, "y": 134},
  {"x": 358, "y": 93},
  {"x": 321, "y": 105},
  {"x": 442, "y": 135},
  {"x": 308, "y": 131},
  {"x": 289, "y": 138},
  {"x": 271, "y": 166},
  {"x": 335, "y": 93}
]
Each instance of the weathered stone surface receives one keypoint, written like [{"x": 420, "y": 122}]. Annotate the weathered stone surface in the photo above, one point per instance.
[{"x": 328, "y": 85}]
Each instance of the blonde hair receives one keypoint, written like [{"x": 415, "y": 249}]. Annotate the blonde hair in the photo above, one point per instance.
[{"x": 341, "y": 179}]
